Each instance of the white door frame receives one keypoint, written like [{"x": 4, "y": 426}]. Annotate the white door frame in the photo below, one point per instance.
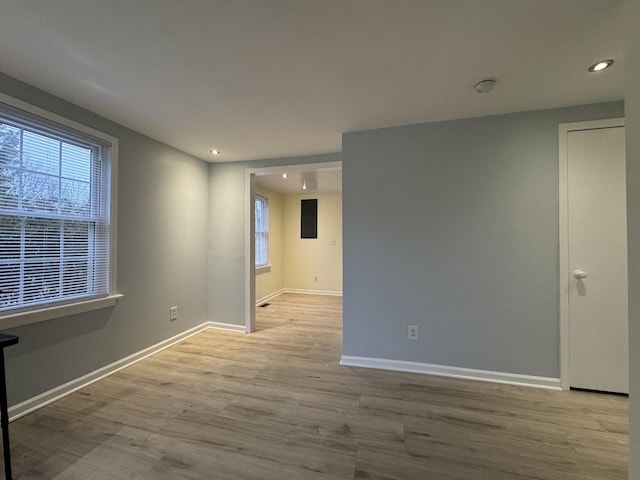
[
  {"x": 250, "y": 229},
  {"x": 563, "y": 224}
]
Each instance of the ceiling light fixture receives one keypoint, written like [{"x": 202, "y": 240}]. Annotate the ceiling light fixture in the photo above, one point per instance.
[
  {"x": 600, "y": 66},
  {"x": 213, "y": 151},
  {"x": 304, "y": 185},
  {"x": 284, "y": 175},
  {"x": 484, "y": 86}
]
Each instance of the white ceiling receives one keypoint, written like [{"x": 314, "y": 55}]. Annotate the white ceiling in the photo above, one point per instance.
[
  {"x": 274, "y": 78},
  {"x": 315, "y": 179}
]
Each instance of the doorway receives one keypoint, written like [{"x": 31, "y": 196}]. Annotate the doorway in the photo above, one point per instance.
[
  {"x": 300, "y": 181},
  {"x": 593, "y": 256}
]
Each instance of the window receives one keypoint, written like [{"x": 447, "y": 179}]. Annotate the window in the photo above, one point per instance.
[
  {"x": 55, "y": 210},
  {"x": 262, "y": 231}
]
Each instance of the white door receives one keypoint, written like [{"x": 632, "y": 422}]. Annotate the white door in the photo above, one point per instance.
[{"x": 597, "y": 259}]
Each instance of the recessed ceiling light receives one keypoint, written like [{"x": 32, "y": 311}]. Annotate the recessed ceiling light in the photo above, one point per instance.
[
  {"x": 284, "y": 175},
  {"x": 213, "y": 151},
  {"x": 601, "y": 65}
]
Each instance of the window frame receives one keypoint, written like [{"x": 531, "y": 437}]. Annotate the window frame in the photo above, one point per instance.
[
  {"x": 38, "y": 313},
  {"x": 266, "y": 266}
]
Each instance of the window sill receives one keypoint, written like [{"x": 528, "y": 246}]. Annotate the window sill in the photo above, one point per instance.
[
  {"x": 12, "y": 320},
  {"x": 263, "y": 269}
]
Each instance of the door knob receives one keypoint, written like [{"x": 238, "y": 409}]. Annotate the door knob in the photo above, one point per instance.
[{"x": 579, "y": 274}]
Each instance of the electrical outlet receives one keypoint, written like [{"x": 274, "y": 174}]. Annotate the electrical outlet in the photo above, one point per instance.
[
  {"x": 173, "y": 313},
  {"x": 412, "y": 332},
  {"x": 315, "y": 278}
]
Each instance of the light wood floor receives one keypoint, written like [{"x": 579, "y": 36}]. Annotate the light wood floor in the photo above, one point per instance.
[{"x": 276, "y": 405}]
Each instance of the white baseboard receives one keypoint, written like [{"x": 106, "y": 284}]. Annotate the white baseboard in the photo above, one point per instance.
[
  {"x": 266, "y": 298},
  {"x": 297, "y": 290},
  {"x": 23, "y": 408},
  {"x": 548, "y": 383},
  {"x": 313, "y": 292},
  {"x": 231, "y": 327}
]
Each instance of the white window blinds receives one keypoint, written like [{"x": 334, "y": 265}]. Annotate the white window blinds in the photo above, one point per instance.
[{"x": 54, "y": 212}]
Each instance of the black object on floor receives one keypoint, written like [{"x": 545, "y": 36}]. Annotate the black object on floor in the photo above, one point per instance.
[
  {"x": 6, "y": 340},
  {"x": 264, "y": 305}
]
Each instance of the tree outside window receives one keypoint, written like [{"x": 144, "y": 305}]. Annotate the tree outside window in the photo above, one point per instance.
[{"x": 54, "y": 213}]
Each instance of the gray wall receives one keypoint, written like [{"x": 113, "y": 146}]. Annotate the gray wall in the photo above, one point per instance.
[
  {"x": 632, "y": 106},
  {"x": 453, "y": 226},
  {"x": 227, "y": 212},
  {"x": 162, "y": 234}
]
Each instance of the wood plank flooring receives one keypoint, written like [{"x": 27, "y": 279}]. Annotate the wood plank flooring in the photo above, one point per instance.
[{"x": 275, "y": 405}]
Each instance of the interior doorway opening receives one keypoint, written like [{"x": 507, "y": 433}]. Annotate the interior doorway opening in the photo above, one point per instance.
[{"x": 290, "y": 184}]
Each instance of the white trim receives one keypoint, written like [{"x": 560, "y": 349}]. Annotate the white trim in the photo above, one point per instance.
[
  {"x": 263, "y": 269},
  {"x": 54, "y": 117},
  {"x": 277, "y": 293},
  {"x": 229, "y": 327},
  {"x": 563, "y": 233},
  {"x": 45, "y": 398},
  {"x": 548, "y": 383},
  {"x": 300, "y": 167},
  {"x": 250, "y": 252},
  {"x": 27, "y": 317},
  {"x": 113, "y": 203},
  {"x": 313, "y": 292},
  {"x": 113, "y": 217},
  {"x": 266, "y": 298}
]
